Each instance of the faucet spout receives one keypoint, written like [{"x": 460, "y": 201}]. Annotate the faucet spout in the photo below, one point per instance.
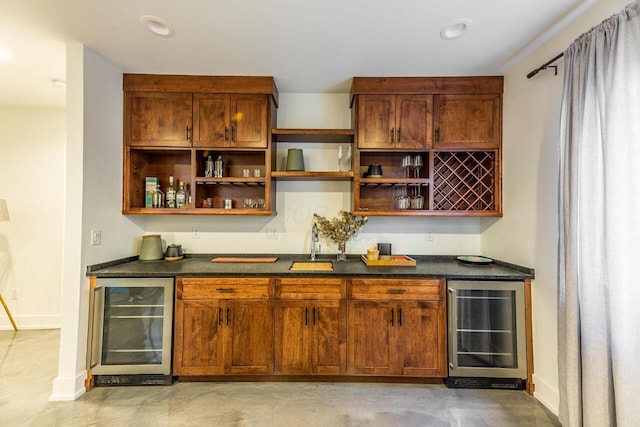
[{"x": 315, "y": 246}]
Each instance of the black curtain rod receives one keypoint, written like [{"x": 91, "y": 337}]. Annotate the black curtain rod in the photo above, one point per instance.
[{"x": 545, "y": 66}]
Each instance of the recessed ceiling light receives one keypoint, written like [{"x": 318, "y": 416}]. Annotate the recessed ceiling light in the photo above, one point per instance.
[
  {"x": 157, "y": 25},
  {"x": 5, "y": 55},
  {"x": 455, "y": 29}
]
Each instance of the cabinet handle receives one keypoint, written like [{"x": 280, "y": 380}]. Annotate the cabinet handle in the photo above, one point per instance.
[
  {"x": 314, "y": 316},
  {"x": 226, "y": 290},
  {"x": 399, "y": 130},
  {"x": 392, "y": 319},
  {"x": 437, "y": 134},
  {"x": 233, "y": 134},
  {"x": 226, "y": 134},
  {"x": 187, "y": 132},
  {"x": 306, "y": 316},
  {"x": 219, "y": 316},
  {"x": 228, "y": 315},
  {"x": 399, "y": 317},
  {"x": 393, "y": 135},
  {"x": 396, "y": 291}
]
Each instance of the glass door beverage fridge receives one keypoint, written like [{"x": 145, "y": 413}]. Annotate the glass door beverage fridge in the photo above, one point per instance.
[
  {"x": 487, "y": 344},
  {"x": 130, "y": 331}
]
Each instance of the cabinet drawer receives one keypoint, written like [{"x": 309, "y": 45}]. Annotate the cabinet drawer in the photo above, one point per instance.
[
  {"x": 223, "y": 288},
  {"x": 397, "y": 289},
  {"x": 310, "y": 288}
]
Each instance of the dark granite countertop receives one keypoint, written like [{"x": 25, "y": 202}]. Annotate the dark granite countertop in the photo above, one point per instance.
[{"x": 195, "y": 265}]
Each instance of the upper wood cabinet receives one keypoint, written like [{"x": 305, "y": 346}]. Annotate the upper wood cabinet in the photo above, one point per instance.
[
  {"x": 230, "y": 120},
  {"x": 395, "y": 121},
  {"x": 158, "y": 119},
  {"x": 470, "y": 121}
]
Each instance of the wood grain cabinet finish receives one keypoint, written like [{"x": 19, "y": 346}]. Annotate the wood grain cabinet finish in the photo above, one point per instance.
[
  {"x": 453, "y": 123},
  {"x": 395, "y": 121},
  {"x": 388, "y": 334},
  {"x": 223, "y": 326},
  {"x": 310, "y": 318},
  {"x": 230, "y": 120},
  {"x": 158, "y": 119},
  {"x": 469, "y": 121}
]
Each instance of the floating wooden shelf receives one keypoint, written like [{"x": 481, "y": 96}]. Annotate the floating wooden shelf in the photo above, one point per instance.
[
  {"x": 313, "y": 135},
  {"x": 312, "y": 175},
  {"x": 249, "y": 182}
]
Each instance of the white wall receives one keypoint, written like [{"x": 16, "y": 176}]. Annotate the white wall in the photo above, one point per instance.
[
  {"x": 297, "y": 201},
  {"x": 93, "y": 201},
  {"x": 32, "y": 181},
  {"x": 527, "y": 234}
]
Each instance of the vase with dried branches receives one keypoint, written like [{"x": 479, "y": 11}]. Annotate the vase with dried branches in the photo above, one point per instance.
[{"x": 340, "y": 229}]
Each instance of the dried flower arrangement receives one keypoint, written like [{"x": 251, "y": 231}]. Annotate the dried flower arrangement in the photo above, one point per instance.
[{"x": 340, "y": 229}]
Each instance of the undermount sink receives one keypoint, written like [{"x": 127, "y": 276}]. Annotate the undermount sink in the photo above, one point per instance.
[{"x": 312, "y": 266}]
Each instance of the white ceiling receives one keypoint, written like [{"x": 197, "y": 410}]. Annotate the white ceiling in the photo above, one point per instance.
[{"x": 309, "y": 46}]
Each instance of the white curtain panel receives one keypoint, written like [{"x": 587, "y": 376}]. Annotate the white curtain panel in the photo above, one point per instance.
[{"x": 599, "y": 265}]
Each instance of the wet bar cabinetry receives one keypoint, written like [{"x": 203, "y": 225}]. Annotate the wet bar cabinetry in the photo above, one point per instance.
[
  {"x": 310, "y": 326},
  {"x": 454, "y": 125},
  {"x": 172, "y": 124}
]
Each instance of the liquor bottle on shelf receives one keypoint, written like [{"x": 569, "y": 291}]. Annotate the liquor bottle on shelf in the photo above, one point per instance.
[
  {"x": 218, "y": 170},
  {"x": 181, "y": 196},
  {"x": 170, "y": 195},
  {"x": 158, "y": 197},
  {"x": 208, "y": 168}
]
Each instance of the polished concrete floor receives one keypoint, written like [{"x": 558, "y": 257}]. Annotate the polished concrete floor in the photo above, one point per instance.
[{"x": 29, "y": 363}]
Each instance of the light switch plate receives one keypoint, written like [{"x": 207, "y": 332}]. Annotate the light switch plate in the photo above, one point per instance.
[{"x": 96, "y": 237}]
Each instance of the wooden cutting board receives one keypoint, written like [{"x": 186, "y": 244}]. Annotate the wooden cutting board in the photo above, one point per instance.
[{"x": 244, "y": 259}]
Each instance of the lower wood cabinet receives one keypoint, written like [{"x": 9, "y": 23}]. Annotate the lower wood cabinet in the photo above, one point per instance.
[
  {"x": 310, "y": 326},
  {"x": 223, "y": 326},
  {"x": 390, "y": 335},
  {"x": 310, "y": 337}
]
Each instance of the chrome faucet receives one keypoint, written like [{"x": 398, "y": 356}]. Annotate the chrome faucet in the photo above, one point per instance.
[{"x": 315, "y": 246}]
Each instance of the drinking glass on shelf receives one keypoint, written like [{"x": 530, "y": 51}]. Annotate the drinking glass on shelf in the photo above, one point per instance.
[
  {"x": 407, "y": 163},
  {"x": 403, "y": 201},
  {"x": 417, "y": 164},
  {"x": 417, "y": 201},
  {"x": 339, "y": 158}
]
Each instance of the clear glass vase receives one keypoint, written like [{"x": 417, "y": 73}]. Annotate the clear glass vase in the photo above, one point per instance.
[{"x": 342, "y": 251}]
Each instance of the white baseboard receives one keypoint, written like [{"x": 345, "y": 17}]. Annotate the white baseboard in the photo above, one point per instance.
[
  {"x": 547, "y": 394},
  {"x": 36, "y": 321},
  {"x": 71, "y": 388}
]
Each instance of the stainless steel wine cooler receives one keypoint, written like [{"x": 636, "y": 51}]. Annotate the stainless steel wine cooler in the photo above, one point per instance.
[
  {"x": 130, "y": 331},
  {"x": 487, "y": 344}
]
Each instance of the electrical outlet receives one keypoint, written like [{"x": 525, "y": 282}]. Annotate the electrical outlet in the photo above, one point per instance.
[
  {"x": 14, "y": 293},
  {"x": 96, "y": 237},
  {"x": 429, "y": 236},
  {"x": 271, "y": 233},
  {"x": 195, "y": 232}
]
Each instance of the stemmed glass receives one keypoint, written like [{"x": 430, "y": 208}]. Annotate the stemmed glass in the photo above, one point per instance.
[
  {"x": 416, "y": 164},
  {"x": 407, "y": 163},
  {"x": 403, "y": 201},
  {"x": 417, "y": 201}
]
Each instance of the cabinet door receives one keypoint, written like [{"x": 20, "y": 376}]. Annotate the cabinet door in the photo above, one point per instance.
[
  {"x": 158, "y": 119},
  {"x": 468, "y": 121},
  {"x": 376, "y": 121},
  {"x": 292, "y": 337},
  {"x": 328, "y": 342},
  {"x": 211, "y": 116},
  {"x": 198, "y": 338},
  {"x": 421, "y": 328},
  {"x": 414, "y": 120},
  {"x": 370, "y": 339},
  {"x": 249, "y": 345},
  {"x": 249, "y": 122}
]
